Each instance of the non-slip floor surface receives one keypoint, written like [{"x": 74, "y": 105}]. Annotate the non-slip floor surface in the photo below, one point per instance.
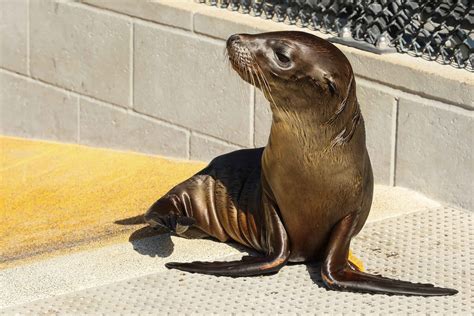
[{"x": 434, "y": 245}]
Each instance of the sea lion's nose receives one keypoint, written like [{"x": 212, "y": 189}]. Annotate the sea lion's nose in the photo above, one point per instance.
[{"x": 233, "y": 39}]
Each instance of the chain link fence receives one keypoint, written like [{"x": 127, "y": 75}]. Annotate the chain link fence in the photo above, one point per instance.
[{"x": 437, "y": 30}]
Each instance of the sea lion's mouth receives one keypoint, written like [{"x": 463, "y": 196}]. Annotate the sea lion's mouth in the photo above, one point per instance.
[
  {"x": 243, "y": 61},
  {"x": 239, "y": 56}
]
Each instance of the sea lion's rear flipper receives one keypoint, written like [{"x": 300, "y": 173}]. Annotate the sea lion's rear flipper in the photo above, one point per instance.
[
  {"x": 273, "y": 261},
  {"x": 338, "y": 275}
]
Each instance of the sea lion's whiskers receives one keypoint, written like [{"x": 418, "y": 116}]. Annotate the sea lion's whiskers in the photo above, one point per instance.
[
  {"x": 251, "y": 75},
  {"x": 265, "y": 81},
  {"x": 254, "y": 74},
  {"x": 266, "y": 87},
  {"x": 259, "y": 70},
  {"x": 236, "y": 60}
]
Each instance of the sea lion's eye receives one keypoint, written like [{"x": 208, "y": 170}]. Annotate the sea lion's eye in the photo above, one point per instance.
[{"x": 282, "y": 58}]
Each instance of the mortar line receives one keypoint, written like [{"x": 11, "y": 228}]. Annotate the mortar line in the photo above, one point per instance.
[
  {"x": 394, "y": 136},
  {"x": 78, "y": 119},
  {"x": 131, "y": 66},
  {"x": 188, "y": 151},
  {"x": 28, "y": 66},
  {"x": 193, "y": 13},
  {"x": 252, "y": 115},
  {"x": 216, "y": 140}
]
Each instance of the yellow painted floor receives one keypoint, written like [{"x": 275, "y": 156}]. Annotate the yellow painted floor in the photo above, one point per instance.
[
  {"x": 56, "y": 197},
  {"x": 59, "y": 198}
]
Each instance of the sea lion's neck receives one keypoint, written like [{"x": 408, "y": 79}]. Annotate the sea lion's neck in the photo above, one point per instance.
[{"x": 311, "y": 131}]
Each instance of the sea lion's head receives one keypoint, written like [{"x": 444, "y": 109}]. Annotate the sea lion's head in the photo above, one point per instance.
[{"x": 295, "y": 70}]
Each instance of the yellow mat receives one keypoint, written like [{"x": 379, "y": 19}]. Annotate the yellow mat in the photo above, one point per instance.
[{"x": 56, "y": 198}]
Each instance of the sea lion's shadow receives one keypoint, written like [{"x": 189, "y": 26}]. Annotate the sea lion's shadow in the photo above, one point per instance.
[
  {"x": 154, "y": 243},
  {"x": 149, "y": 242},
  {"x": 314, "y": 271}
]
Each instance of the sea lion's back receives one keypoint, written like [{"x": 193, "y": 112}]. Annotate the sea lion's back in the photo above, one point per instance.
[{"x": 225, "y": 197}]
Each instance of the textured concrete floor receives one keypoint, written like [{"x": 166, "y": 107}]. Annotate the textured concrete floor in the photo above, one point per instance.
[
  {"x": 72, "y": 256},
  {"x": 432, "y": 245}
]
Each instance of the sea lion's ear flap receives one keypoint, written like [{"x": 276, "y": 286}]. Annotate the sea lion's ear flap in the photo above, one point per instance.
[{"x": 330, "y": 82}]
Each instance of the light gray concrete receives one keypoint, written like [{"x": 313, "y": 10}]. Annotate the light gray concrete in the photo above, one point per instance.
[
  {"x": 91, "y": 268},
  {"x": 81, "y": 49},
  {"x": 391, "y": 202},
  {"x": 32, "y": 109},
  {"x": 376, "y": 107},
  {"x": 435, "y": 152},
  {"x": 205, "y": 148},
  {"x": 107, "y": 126},
  {"x": 185, "y": 80},
  {"x": 13, "y": 35},
  {"x": 177, "y": 13},
  {"x": 125, "y": 261},
  {"x": 420, "y": 247},
  {"x": 263, "y": 119}
]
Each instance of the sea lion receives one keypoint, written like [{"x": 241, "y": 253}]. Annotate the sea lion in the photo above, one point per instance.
[{"x": 304, "y": 195}]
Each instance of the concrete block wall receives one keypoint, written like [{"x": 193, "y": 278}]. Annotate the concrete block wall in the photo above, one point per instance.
[{"x": 152, "y": 77}]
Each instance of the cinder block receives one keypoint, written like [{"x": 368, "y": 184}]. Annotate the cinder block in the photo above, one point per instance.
[
  {"x": 263, "y": 119},
  {"x": 108, "y": 126},
  {"x": 435, "y": 152},
  {"x": 30, "y": 109},
  {"x": 169, "y": 12},
  {"x": 185, "y": 79},
  {"x": 376, "y": 107},
  {"x": 81, "y": 49},
  {"x": 205, "y": 148},
  {"x": 13, "y": 35}
]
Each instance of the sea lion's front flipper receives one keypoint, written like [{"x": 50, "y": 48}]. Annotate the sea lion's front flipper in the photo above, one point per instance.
[
  {"x": 276, "y": 257},
  {"x": 337, "y": 274}
]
